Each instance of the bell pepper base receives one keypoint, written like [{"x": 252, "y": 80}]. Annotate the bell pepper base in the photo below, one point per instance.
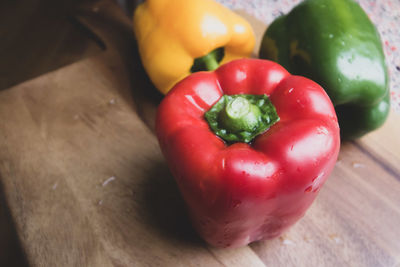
[{"x": 240, "y": 193}]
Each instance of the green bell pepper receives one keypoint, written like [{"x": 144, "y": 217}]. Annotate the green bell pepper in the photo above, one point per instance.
[{"x": 334, "y": 43}]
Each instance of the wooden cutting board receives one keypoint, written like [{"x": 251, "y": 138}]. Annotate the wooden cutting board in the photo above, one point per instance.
[{"x": 86, "y": 184}]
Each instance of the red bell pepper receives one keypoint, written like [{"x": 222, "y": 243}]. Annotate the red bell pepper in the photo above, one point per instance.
[{"x": 240, "y": 188}]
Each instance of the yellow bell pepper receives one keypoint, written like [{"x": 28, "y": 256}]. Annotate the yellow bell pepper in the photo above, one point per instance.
[{"x": 173, "y": 34}]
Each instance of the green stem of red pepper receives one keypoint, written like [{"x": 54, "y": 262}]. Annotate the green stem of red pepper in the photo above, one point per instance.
[
  {"x": 208, "y": 62},
  {"x": 240, "y": 118}
]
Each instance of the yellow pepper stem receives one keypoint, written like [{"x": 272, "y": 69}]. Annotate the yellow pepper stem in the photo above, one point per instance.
[{"x": 208, "y": 62}]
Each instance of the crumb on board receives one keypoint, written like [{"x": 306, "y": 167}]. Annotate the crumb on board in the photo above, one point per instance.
[
  {"x": 286, "y": 241},
  {"x": 357, "y": 165},
  {"x": 335, "y": 238},
  {"x": 54, "y": 187},
  {"x": 108, "y": 180}
]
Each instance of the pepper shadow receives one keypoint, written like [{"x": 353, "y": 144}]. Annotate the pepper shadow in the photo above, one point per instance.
[
  {"x": 11, "y": 253},
  {"x": 145, "y": 94},
  {"x": 164, "y": 207}
]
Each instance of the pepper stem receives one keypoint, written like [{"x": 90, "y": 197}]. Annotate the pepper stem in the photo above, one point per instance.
[
  {"x": 240, "y": 118},
  {"x": 240, "y": 115},
  {"x": 208, "y": 62}
]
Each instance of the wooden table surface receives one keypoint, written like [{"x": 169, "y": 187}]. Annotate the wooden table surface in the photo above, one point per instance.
[{"x": 83, "y": 182}]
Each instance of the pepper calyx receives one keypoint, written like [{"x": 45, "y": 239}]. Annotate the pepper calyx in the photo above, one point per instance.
[{"x": 240, "y": 118}]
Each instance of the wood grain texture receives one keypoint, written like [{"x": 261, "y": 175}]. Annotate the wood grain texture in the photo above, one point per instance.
[
  {"x": 384, "y": 145},
  {"x": 352, "y": 223},
  {"x": 86, "y": 184}
]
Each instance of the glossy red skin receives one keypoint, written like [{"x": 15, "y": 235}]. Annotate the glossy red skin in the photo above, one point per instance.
[{"x": 240, "y": 193}]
